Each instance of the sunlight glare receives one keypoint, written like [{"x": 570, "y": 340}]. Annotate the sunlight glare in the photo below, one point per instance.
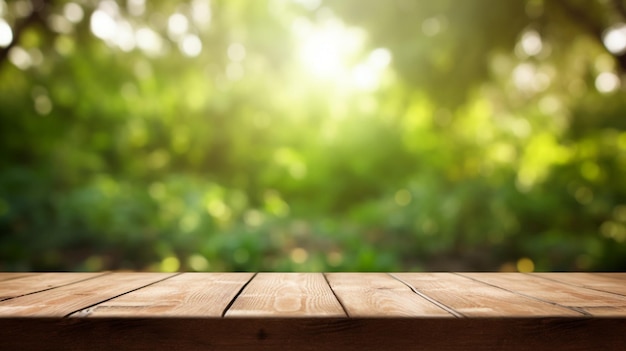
[
  {"x": 322, "y": 54},
  {"x": 327, "y": 48},
  {"x": 366, "y": 76},
  {"x": 380, "y": 58}
]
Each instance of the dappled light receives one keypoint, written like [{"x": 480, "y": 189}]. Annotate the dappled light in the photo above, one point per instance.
[{"x": 312, "y": 135}]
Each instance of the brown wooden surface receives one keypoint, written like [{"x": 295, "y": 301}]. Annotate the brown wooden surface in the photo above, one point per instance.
[
  {"x": 380, "y": 295},
  {"x": 286, "y": 295},
  {"x": 313, "y": 311},
  {"x": 581, "y": 299},
  {"x": 611, "y": 283},
  {"x": 30, "y": 283},
  {"x": 66, "y": 299},
  {"x": 471, "y": 298},
  {"x": 189, "y": 295}
]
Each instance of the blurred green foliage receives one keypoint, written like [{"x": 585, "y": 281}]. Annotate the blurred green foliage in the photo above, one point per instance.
[{"x": 300, "y": 135}]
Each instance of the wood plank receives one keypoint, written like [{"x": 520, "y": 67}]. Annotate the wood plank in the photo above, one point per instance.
[
  {"x": 67, "y": 299},
  {"x": 586, "y": 300},
  {"x": 610, "y": 282},
  {"x": 11, "y": 275},
  {"x": 286, "y": 295},
  {"x": 380, "y": 295},
  {"x": 36, "y": 282},
  {"x": 185, "y": 295},
  {"x": 621, "y": 275},
  {"x": 345, "y": 334},
  {"x": 474, "y": 299}
]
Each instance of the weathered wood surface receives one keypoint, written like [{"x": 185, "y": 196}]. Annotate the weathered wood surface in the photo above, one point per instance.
[
  {"x": 286, "y": 295},
  {"x": 313, "y": 311}
]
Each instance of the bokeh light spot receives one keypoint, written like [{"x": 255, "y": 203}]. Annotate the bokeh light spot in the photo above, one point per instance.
[
  {"x": 20, "y": 58},
  {"x": 403, "y": 197},
  {"x": 102, "y": 25},
  {"x": 170, "y": 264},
  {"x": 607, "y": 82},
  {"x": 299, "y": 255},
  {"x": 6, "y": 34},
  {"x": 525, "y": 265},
  {"x": 149, "y": 41},
  {"x": 177, "y": 25},
  {"x": 201, "y": 13},
  {"x": 334, "y": 258},
  {"x": 73, "y": 12},
  {"x": 614, "y": 39},
  {"x": 531, "y": 43},
  {"x": 136, "y": 7},
  {"x": 613, "y": 230},
  {"x": 198, "y": 263},
  {"x": 43, "y": 105},
  {"x": 236, "y": 52},
  {"x": 190, "y": 45}
]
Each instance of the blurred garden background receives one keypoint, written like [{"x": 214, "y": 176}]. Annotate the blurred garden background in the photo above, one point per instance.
[{"x": 309, "y": 135}]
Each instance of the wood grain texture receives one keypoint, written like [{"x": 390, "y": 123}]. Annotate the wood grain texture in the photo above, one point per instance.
[
  {"x": 474, "y": 299},
  {"x": 379, "y": 294},
  {"x": 10, "y": 276},
  {"x": 185, "y": 295},
  {"x": 607, "y": 282},
  {"x": 587, "y": 301},
  {"x": 67, "y": 299},
  {"x": 286, "y": 295},
  {"x": 23, "y": 284},
  {"x": 156, "y": 311}
]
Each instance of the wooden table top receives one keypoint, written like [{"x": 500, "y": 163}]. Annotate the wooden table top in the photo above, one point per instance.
[{"x": 313, "y": 310}]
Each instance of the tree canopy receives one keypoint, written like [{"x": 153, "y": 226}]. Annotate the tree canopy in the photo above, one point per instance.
[{"x": 312, "y": 135}]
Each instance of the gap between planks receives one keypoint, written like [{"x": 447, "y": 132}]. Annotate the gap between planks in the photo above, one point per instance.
[
  {"x": 559, "y": 278},
  {"x": 574, "y": 309},
  {"x": 85, "y": 310},
  {"x": 38, "y": 290},
  {"x": 434, "y": 301},
  {"x": 232, "y": 301},
  {"x": 383, "y": 291}
]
